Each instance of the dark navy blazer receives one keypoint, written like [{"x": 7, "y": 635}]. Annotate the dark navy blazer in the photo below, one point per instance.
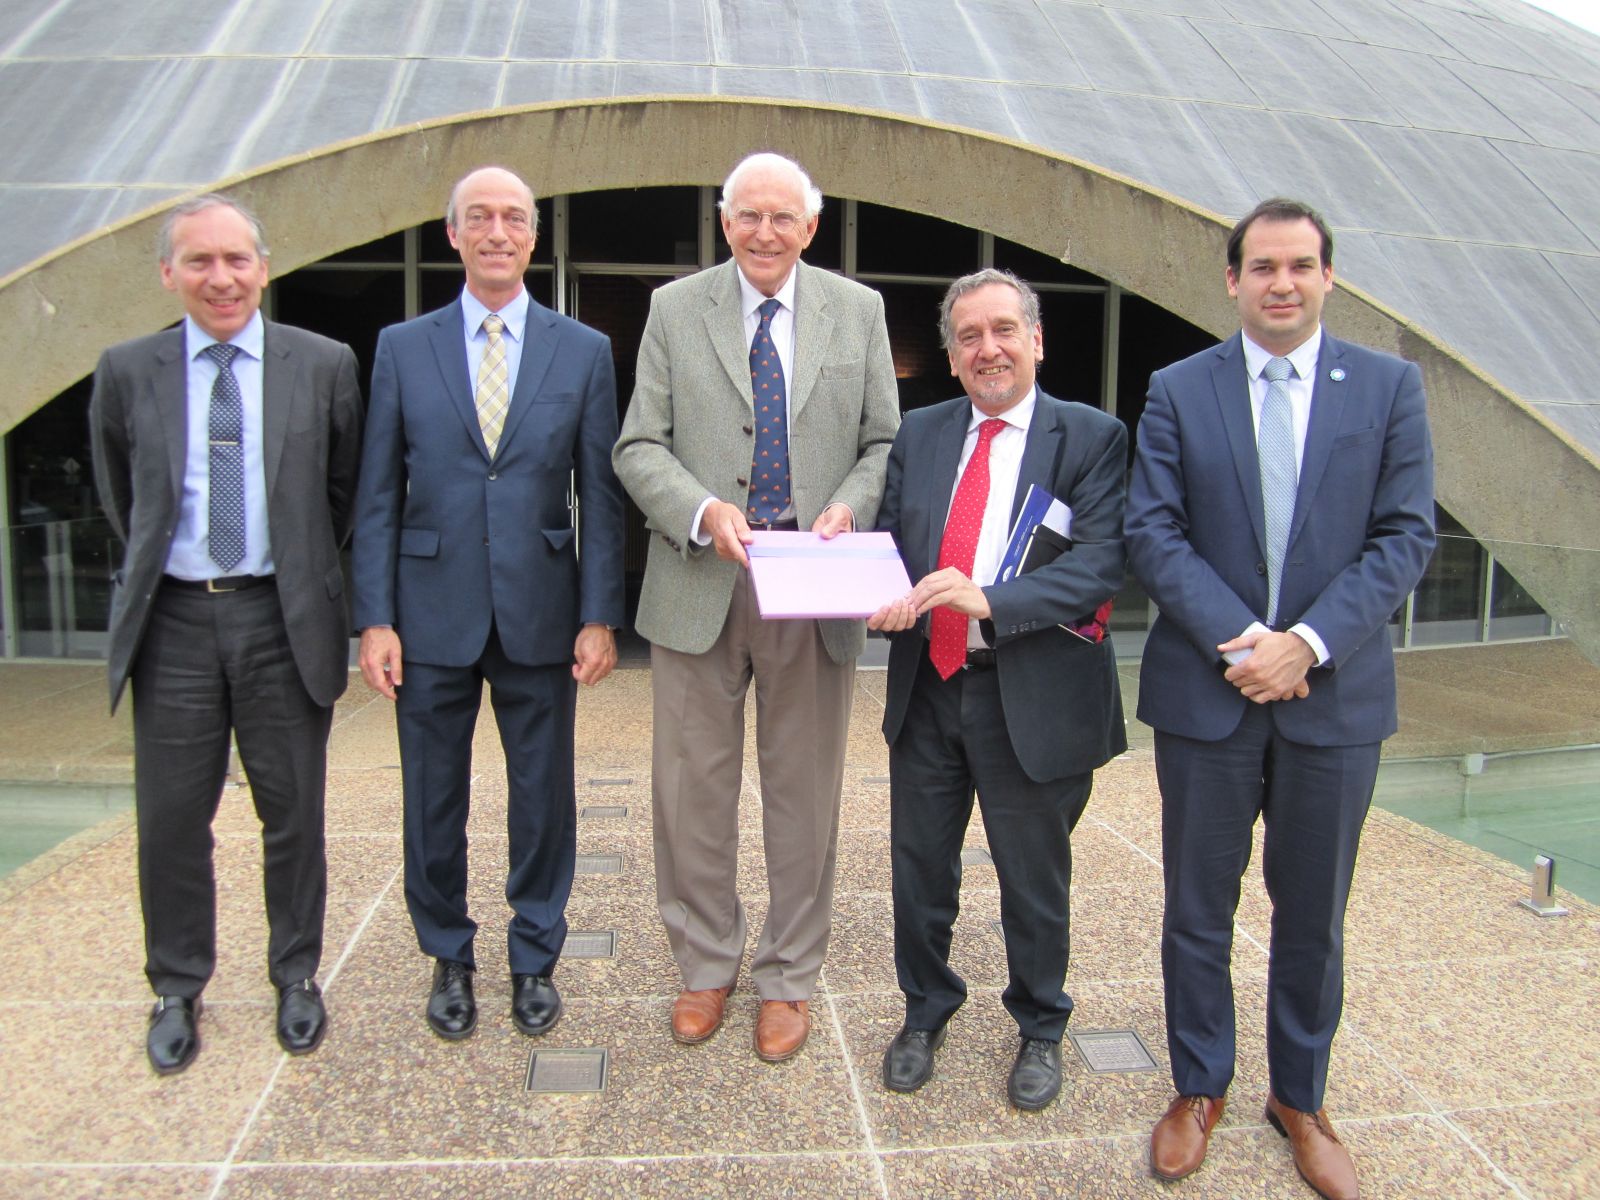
[
  {"x": 447, "y": 539},
  {"x": 1063, "y": 707},
  {"x": 1359, "y": 542}
]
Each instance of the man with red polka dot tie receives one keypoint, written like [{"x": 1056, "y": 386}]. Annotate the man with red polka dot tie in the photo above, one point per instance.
[{"x": 993, "y": 693}]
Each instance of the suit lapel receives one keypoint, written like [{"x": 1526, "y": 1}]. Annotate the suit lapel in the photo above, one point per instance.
[
  {"x": 1232, "y": 383},
  {"x": 1040, "y": 453},
  {"x": 725, "y": 329},
  {"x": 449, "y": 340},
  {"x": 539, "y": 338},
  {"x": 171, "y": 388},
  {"x": 278, "y": 391},
  {"x": 940, "y": 480},
  {"x": 812, "y": 333},
  {"x": 1327, "y": 412}
]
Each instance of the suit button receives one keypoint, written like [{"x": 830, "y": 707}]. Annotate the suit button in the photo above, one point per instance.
[
  {"x": 485, "y": 541},
  {"x": 747, "y": 429},
  {"x": 1261, "y": 568},
  {"x": 493, "y": 475},
  {"x": 741, "y": 481}
]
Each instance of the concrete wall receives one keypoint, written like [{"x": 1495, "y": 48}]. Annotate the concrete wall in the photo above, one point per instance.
[{"x": 1518, "y": 483}]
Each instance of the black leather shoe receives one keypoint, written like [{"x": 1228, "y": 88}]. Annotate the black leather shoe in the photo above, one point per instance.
[
  {"x": 908, "y": 1062},
  {"x": 535, "y": 1004},
  {"x": 174, "y": 1036},
  {"x": 452, "y": 1011},
  {"x": 1036, "y": 1075},
  {"x": 302, "y": 1020}
]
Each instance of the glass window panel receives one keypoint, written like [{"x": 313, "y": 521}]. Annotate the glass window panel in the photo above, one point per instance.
[
  {"x": 437, "y": 287},
  {"x": 617, "y": 305},
  {"x": 921, "y": 367},
  {"x": 434, "y": 243},
  {"x": 1449, "y": 600},
  {"x": 1152, "y": 338},
  {"x": 1513, "y": 612},
  {"x": 1073, "y": 325},
  {"x": 385, "y": 249},
  {"x": 635, "y": 225},
  {"x": 891, "y": 241},
  {"x": 350, "y": 304},
  {"x": 1038, "y": 268}
]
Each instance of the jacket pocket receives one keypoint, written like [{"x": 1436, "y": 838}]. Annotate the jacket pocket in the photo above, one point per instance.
[{"x": 419, "y": 543}]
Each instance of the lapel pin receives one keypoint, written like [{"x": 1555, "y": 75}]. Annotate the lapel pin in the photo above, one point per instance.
[{"x": 1337, "y": 374}]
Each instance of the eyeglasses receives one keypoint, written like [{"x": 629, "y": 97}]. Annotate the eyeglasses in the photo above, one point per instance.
[{"x": 749, "y": 220}]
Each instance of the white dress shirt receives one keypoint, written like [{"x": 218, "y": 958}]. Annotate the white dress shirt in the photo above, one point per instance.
[{"x": 1005, "y": 461}]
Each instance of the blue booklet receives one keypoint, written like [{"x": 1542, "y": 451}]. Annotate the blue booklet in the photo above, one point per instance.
[{"x": 1042, "y": 531}]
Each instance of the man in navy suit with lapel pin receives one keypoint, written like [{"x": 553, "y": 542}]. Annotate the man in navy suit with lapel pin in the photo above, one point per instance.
[
  {"x": 225, "y": 449},
  {"x": 468, "y": 569},
  {"x": 989, "y": 689},
  {"x": 1280, "y": 510}
]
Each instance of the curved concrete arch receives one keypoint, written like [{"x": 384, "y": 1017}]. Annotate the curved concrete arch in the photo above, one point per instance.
[{"x": 1500, "y": 463}]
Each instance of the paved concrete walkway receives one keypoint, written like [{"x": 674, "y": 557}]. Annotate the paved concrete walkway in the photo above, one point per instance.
[{"x": 1468, "y": 1064}]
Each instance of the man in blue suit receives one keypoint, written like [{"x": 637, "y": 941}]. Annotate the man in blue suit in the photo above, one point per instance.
[
  {"x": 990, "y": 688},
  {"x": 1280, "y": 510},
  {"x": 467, "y": 569}
]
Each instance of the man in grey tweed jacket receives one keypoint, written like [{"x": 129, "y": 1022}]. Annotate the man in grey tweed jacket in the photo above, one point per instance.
[{"x": 689, "y": 454}]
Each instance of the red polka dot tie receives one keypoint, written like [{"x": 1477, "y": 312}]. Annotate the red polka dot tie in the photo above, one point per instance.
[
  {"x": 769, "y": 472},
  {"x": 947, "y": 638}
]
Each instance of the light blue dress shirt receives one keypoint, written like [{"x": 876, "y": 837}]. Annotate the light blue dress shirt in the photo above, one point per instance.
[
  {"x": 190, "y": 555},
  {"x": 515, "y": 315}
]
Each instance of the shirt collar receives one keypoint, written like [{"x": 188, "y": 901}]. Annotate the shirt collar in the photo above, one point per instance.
[
  {"x": 750, "y": 299},
  {"x": 251, "y": 339},
  {"x": 1019, "y": 416},
  {"x": 514, "y": 314},
  {"x": 1303, "y": 357}
]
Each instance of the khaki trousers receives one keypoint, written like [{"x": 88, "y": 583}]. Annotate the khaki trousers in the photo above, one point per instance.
[{"x": 802, "y": 717}]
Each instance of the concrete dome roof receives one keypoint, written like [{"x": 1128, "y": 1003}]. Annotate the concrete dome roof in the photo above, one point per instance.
[{"x": 1454, "y": 145}]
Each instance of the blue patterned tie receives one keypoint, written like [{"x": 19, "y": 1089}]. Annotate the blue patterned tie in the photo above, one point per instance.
[
  {"x": 226, "y": 501},
  {"x": 769, "y": 472},
  {"x": 1279, "y": 473}
]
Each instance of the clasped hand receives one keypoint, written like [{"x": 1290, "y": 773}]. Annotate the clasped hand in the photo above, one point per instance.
[{"x": 947, "y": 588}]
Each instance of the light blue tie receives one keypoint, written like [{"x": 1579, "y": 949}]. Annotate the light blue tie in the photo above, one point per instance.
[{"x": 1279, "y": 473}]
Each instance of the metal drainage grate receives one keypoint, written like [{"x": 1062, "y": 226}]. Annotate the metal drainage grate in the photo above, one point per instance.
[
  {"x": 1105, "y": 1051},
  {"x": 603, "y": 810},
  {"x": 598, "y": 943},
  {"x": 599, "y": 864},
  {"x": 568, "y": 1070},
  {"x": 976, "y": 856},
  {"x": 609, "y": 782}
]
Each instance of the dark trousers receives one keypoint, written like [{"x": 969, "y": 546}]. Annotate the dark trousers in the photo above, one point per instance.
[
  {"x": 211, "y": 664},
  {"x": 1313, "y": 801},
  {"x": 954, "y": 740},
  {"x": 535, "y": 708}
]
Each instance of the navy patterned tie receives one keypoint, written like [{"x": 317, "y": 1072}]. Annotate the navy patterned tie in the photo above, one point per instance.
[
  {"x": 226, "y": 501},
  {"x": 1279, "y": 474},
  {"x": 769, "y": 472}
]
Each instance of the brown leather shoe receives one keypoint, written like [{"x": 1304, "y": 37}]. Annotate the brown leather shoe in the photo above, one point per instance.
[
  {"x": 697, "y": 1015},
  {"x": 1319, "y": 1155},
  {"x": 781, "y": 1029},
  {"x": 1178, "y": 1142}
]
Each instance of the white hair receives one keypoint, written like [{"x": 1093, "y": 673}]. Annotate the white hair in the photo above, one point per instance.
[{"x": 768, "y": 161}]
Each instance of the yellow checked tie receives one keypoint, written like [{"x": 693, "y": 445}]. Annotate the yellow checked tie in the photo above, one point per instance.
[{"x": 493, "y": 395}]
